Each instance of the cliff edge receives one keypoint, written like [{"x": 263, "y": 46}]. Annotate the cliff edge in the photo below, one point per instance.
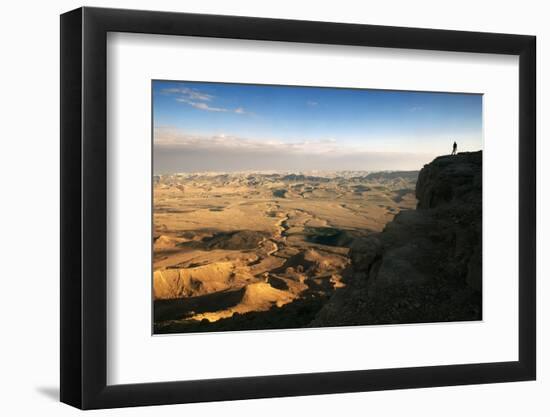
[{"x": 425, "y": 266}]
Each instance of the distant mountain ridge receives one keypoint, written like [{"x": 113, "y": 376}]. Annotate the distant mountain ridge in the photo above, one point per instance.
[{"x": 296, "y": 176}]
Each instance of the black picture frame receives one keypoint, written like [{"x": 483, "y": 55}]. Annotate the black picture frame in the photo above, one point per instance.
[{"x": 84, "y": 207}]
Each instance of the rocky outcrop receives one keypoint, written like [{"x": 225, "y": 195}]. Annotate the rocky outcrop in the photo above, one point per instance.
[
  {"x": 450, "y": 180},
  {"x": 190, "y": 282},
  {"x": 426, "y": 264}
]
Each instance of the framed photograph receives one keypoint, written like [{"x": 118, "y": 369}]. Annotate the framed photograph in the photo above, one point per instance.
[{"x": 257, "y": 208}]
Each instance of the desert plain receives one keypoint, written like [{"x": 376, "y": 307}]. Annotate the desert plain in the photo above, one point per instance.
[{"x": 261, "y": 250}]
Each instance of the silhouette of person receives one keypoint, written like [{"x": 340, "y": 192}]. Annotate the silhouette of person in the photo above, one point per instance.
[{"x": 454, "y": 149}]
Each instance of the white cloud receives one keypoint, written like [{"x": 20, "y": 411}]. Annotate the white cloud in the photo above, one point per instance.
[
  {"x": 201, "y": 105},
  {"x": 204, "y": 106},
  {"x": 189, "y": 93},
  {"x": 176, "y": 151},
  {"x": 168, "y": 137},
  {"x": 312, "y": 103},
  {"x": 196, "y": 99}
]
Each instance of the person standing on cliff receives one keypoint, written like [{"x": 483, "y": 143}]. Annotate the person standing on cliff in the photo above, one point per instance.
[{"x": 454, "y": 148}]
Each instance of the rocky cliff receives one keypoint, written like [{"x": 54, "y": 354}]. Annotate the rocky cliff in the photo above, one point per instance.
[{"x": 426, "y": 264}]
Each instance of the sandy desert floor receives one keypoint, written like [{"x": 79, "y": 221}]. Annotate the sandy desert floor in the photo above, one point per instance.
[{"x": 261, "y": 250}]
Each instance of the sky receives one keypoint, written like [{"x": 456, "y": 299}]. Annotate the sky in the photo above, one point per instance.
[{"x": 227, "y": 127}]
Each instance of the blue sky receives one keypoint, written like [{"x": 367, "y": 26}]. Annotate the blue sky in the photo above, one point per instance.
[{"x": 252, "y": 120}]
